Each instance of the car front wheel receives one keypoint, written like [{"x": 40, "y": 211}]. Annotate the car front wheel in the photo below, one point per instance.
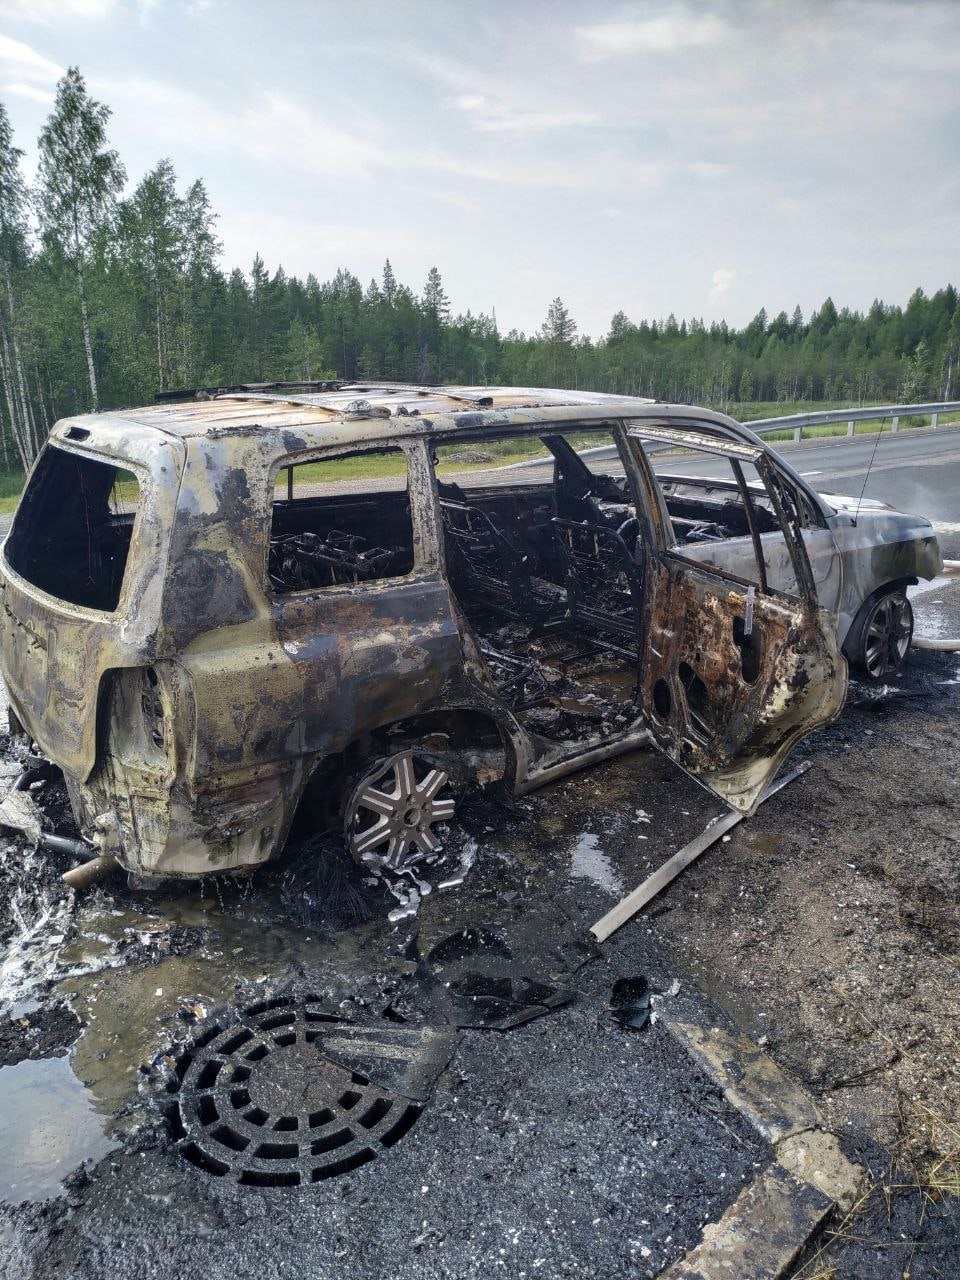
[{"x": 882, "y": 635}]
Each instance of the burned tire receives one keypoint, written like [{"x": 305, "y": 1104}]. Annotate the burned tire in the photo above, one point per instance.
[
  {"x": 879, "y": 639},
  {"x": 391, "y": 811}
]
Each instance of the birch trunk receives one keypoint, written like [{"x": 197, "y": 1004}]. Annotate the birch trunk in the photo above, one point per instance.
[{"x": 88, "y": 348}]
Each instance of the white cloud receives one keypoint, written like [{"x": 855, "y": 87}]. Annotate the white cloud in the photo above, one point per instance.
[
  {"x": 468, "y": 101},
  {"x": 490, "y": 116},
  {"x": 23, "y": 63},
  {"x": 722, "y": 279},
  {"x": 665, "y": 34},
  {"x": 708, "y": 169},
  {"x": 49, "y": 12},
  {"x": 44, "y": 96},
  {"x": 268, "y": 127},
  {"x": 279, "y": 133}
]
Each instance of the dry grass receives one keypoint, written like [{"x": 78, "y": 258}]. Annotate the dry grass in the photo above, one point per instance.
[{"x": 925, "y": 1163}]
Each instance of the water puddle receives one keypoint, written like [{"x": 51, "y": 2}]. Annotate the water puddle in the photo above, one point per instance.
[
  {"x": 589, "y": 862},
  {"x": 49, "y": 1127}
]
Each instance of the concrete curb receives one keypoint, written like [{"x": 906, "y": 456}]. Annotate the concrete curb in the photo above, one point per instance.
[{"x": 764, "y": 1230}]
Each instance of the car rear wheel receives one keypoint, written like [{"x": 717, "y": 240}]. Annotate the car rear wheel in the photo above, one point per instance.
[
  {"x": 882, "y": 635},
  {"x": 391, "y": 812}
]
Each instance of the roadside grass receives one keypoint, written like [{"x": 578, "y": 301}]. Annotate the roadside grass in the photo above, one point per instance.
[
  {"x": 469, "y": 455},
  {"x": 11, "y": 483},
  {"x": 925, "y": 1163}
]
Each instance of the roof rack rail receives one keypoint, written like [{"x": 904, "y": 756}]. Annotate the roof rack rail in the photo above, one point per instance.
[{"x": 207, "y": 393}]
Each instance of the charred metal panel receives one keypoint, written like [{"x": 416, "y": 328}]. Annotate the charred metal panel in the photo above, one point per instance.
[
  {"x": 735, "y": 678},
  {"x": 56, "y": 654}
]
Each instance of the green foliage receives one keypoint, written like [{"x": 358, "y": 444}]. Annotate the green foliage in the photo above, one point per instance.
[{"x": 120, "y": 298}]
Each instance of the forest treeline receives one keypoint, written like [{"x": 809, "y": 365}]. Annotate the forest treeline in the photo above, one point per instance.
[{"x": 106, "y": 299}]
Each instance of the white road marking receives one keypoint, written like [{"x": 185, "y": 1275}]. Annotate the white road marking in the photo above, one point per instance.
[
  {"x": 811, "y": 473},
  {"x": 946, "y": 526}
]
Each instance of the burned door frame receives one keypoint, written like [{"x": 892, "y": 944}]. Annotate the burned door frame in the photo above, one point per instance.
[
  {"x": 537, "y": 761},
  {"x": 414, "y": 665},
  {"x": 735, "y": 671}
]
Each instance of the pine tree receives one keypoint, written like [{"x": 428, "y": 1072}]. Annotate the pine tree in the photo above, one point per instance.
[
  {"x": 559, "y": 328},
  {"x": 389, "y": 282},
  {"x": 259, "y": 281},
  {"x": 434, "y": 298},
  {"x": 80, "y": 178},
  {"x": 620, "y": 327}
]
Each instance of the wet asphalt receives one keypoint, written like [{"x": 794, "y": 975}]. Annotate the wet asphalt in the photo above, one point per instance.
[{"x": 568, "y": 1146}]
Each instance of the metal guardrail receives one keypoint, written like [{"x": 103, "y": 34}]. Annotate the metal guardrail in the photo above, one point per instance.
[{"x": 797, "y": 421}]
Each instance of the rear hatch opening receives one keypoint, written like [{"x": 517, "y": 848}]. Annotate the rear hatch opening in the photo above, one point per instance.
[{"x": 72, "y": 531}]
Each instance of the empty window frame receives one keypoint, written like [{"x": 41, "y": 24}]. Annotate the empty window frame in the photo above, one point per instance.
[
  {"x": 71, "y": 534},
  {"x": 341, "y": 520},
  {"x": 722, "y": 516}
]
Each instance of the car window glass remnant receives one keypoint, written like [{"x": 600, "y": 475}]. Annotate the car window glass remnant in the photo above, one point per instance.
[
  {"x": 341, "y": 520},
  {"x": 723, "y": 517},
  {"x": 543, "y": 553},
  {"x": 71, "y": 534}
]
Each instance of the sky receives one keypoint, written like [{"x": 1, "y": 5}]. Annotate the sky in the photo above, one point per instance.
[{"x": 655, "y": 157}]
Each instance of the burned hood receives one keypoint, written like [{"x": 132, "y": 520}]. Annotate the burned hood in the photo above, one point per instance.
[
  {"x": 843, "y": 502},
  {"x": 870, "y": 524}
]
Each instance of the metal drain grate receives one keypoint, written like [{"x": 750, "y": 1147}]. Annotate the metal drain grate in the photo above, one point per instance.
[{"x": 256, "y": 1099}]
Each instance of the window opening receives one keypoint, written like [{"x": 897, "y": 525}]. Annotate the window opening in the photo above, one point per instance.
[
  {"x": 71, "y": 534},
  {"x": 341, "y": 520}
]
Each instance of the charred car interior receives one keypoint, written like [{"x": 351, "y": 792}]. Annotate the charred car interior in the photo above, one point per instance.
[
  {"x": 335, "y": 539},
  {"x": 550, "y": 577}
]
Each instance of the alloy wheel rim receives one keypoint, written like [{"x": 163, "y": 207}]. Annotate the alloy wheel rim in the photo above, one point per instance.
[
  {"x": 888, "y": 634},
  {"x": 393, "y": 809}
]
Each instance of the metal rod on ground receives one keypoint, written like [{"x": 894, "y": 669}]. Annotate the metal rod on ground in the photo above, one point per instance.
[
  {"x": 659, "y": 880},
  {"x": 940, "y": 646},
  {"x": 63, "y": 844},
  {"x": 89, "y": 873}
]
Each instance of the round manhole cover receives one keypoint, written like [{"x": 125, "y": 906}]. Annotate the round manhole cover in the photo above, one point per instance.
[{"x": 256, "y": 1100}]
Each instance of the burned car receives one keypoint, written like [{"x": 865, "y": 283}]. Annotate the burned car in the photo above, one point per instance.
[{"x": 368, "y": 599}]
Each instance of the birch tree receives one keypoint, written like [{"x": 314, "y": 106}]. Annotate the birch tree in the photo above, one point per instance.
[
  {"x": 13, "y": 257},
  {"x": 80, "y": 179}
]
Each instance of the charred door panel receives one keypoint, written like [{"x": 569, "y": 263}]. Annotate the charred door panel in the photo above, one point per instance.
[
  {"x": 736, "y": 668},
  {"x": 734, "y": 678}
]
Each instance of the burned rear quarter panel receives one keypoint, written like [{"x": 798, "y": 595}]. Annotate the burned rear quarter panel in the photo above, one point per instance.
[{"x": 56, "y": 654}]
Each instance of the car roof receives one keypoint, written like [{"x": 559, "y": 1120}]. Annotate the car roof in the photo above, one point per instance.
[
  {"x": 363, "y": 404},
  {"x": 352, "y": 414}
]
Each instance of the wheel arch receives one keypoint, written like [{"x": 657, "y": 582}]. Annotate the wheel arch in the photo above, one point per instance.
[
  {"x": 469, "y": 728},
  {"x": 885, "y": 589}
]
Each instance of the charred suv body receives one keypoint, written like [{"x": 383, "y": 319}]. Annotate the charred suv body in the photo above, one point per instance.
[{"x": 375, "y": 596}]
